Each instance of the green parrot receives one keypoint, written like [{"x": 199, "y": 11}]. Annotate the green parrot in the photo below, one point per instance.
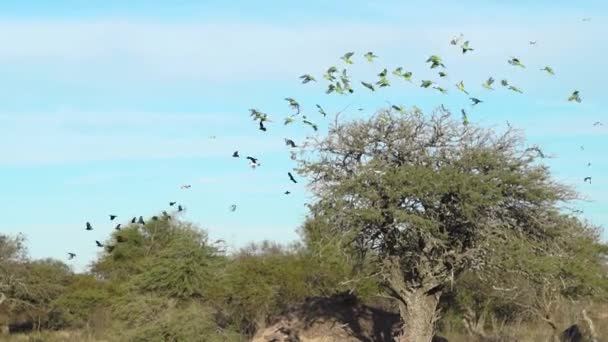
[
  {"x": 288, "y": 120},
  {"x": 488, "y": 84},
  {"x": 313, "y": 125},
  {"x": 465, "y": 118},
  {"x": 347, "y": 56},
  {"x": 329, "y": 74},
  {"x": 504, "y": 83},
  {"x": 441, "y": 90},
  {"x": 442, "y": 74},
  {"x": 370, "y": 56},
  {"x": 257, "y": 115},
  {"x": 465, "y": 47},
  {"x": 368, "y": 86},
  {"x": 321, "y": 110},
  {"x": 515, "y": 89},
  {"x": 293, "y": 104},
  {"x": 383, "y": 82},
  {"x": 460, "y": 87},
  {"x": 575, "y": 96},
  {"x": 400, "y": 109},
  {"x": 516, "y": 62},
  {"x": 408, "y": 76},
  {"x": 398, "y": 72},
  {"x": 426, "y": 83},
  {"x": 435, "y": 61},
  {"x": 307, "y": 78},
  {"x": 548, "y": 69}
]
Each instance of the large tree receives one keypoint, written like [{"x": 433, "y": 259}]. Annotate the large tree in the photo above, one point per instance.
[{"x": 422, "y": 195}]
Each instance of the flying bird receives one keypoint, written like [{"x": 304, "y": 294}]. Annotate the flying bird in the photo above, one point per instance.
[
  {"x": 368, "y": 86},
  {"x": 442, "y": 74},
  {"x": 347, "y": 56},
  {"x": 533, "y": 42},
  {"x": 441, "y": 90},
  {"x": 311, "y": 124},
  {"x": 460, "y": 87},
  {"x": 180, "y": 208},
  {"x": 587, "y": 19},
  {"x": 291, "y": 177},
  {"x": 112, "y": 217},
  {"x": 465, "y": 118},
  {"x": 488, "y": 84},
  {"x": 426, "y": 83},
  {"x": 548, "y": 69},
  {"x": 400, "y": 109},
  {"x": 307, "y": 78},
  {"x": 117, "y": 227},
  {"x": 587, "y": 179},
  {"x": 262, "y": 127},
  {"x": 516, "y": 62},
  {"x": 253, "y": 162},
  {"x": 435, "y": 61},
  {"x": 515, "y": 89},
  {"x": 456, "y": 40},
  {"x": 465, "y": 47},
  {"x": 597, "y": 123},
  {"x": 370, "y": 56},
  {"x": 89, "y": 227},
  {"x": 287, "y": 192},
  {"x": 71, "y": 256},
  {"x": 170, "y": 204},
  {"x": 234, "y": 155},
  {"x": 290, "y": 143},
  {"x": 329, "y": 74},
  {"x": 575, "y": 96},
  {"x": 321, "y": 111},
  {"x": 233, "y": 207},
  {"x": 293, "y": 104},
  {"x": 475, "y": 100},
  {"x": 257, "y": 115},
  {"x": 186, "y": 186},
  {"x": 99, "y": 244}
]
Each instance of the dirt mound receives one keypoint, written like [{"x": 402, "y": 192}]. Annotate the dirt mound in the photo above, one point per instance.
[{"x": 338, "y": 318}]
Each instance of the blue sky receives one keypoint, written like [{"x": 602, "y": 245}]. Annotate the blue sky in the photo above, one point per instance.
[{"x": 107, "y": 107}]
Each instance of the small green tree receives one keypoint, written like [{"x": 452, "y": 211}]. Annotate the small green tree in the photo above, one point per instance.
[{"x": 422, "y": 196}]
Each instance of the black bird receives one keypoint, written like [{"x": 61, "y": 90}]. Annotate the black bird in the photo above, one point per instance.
[
  {"x": 166, "y": 215},
  {"x": 587, "y": 179},
  {"x": 71, "y": 256},
  {"x": 290, "y": 143},
  {"x": 89, "y": 227},
  {"x": 291, "y": 177},
  {"x": 117, "y": 227},
  {"x": 235, "y": 154},
  {"x": 154, "y": 218},
  {"x": 262, "y": 127},
  {"x": 475, "y": 100},
  {"x": 99, "y": 244},
  {"x": 180, "y": 208},
  {"x": 141, "y": 220},
  {"x": 172, "y": 203},
  {"x": 287, "y": 192},
  {"x": 112, "y": 217},
  {"x": 134, "y": 219}
]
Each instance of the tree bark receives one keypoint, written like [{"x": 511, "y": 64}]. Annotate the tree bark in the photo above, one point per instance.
[{"x": 418, "y": 310}]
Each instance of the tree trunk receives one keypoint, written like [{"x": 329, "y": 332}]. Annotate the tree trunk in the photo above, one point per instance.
[{"x": 418, "y": 310}]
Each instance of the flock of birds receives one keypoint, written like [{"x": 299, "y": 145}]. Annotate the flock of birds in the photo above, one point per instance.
[{"x": 339, "y": 82}]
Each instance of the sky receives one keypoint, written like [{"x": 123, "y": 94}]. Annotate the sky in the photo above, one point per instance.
[{"x": 107, "y": 107}]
